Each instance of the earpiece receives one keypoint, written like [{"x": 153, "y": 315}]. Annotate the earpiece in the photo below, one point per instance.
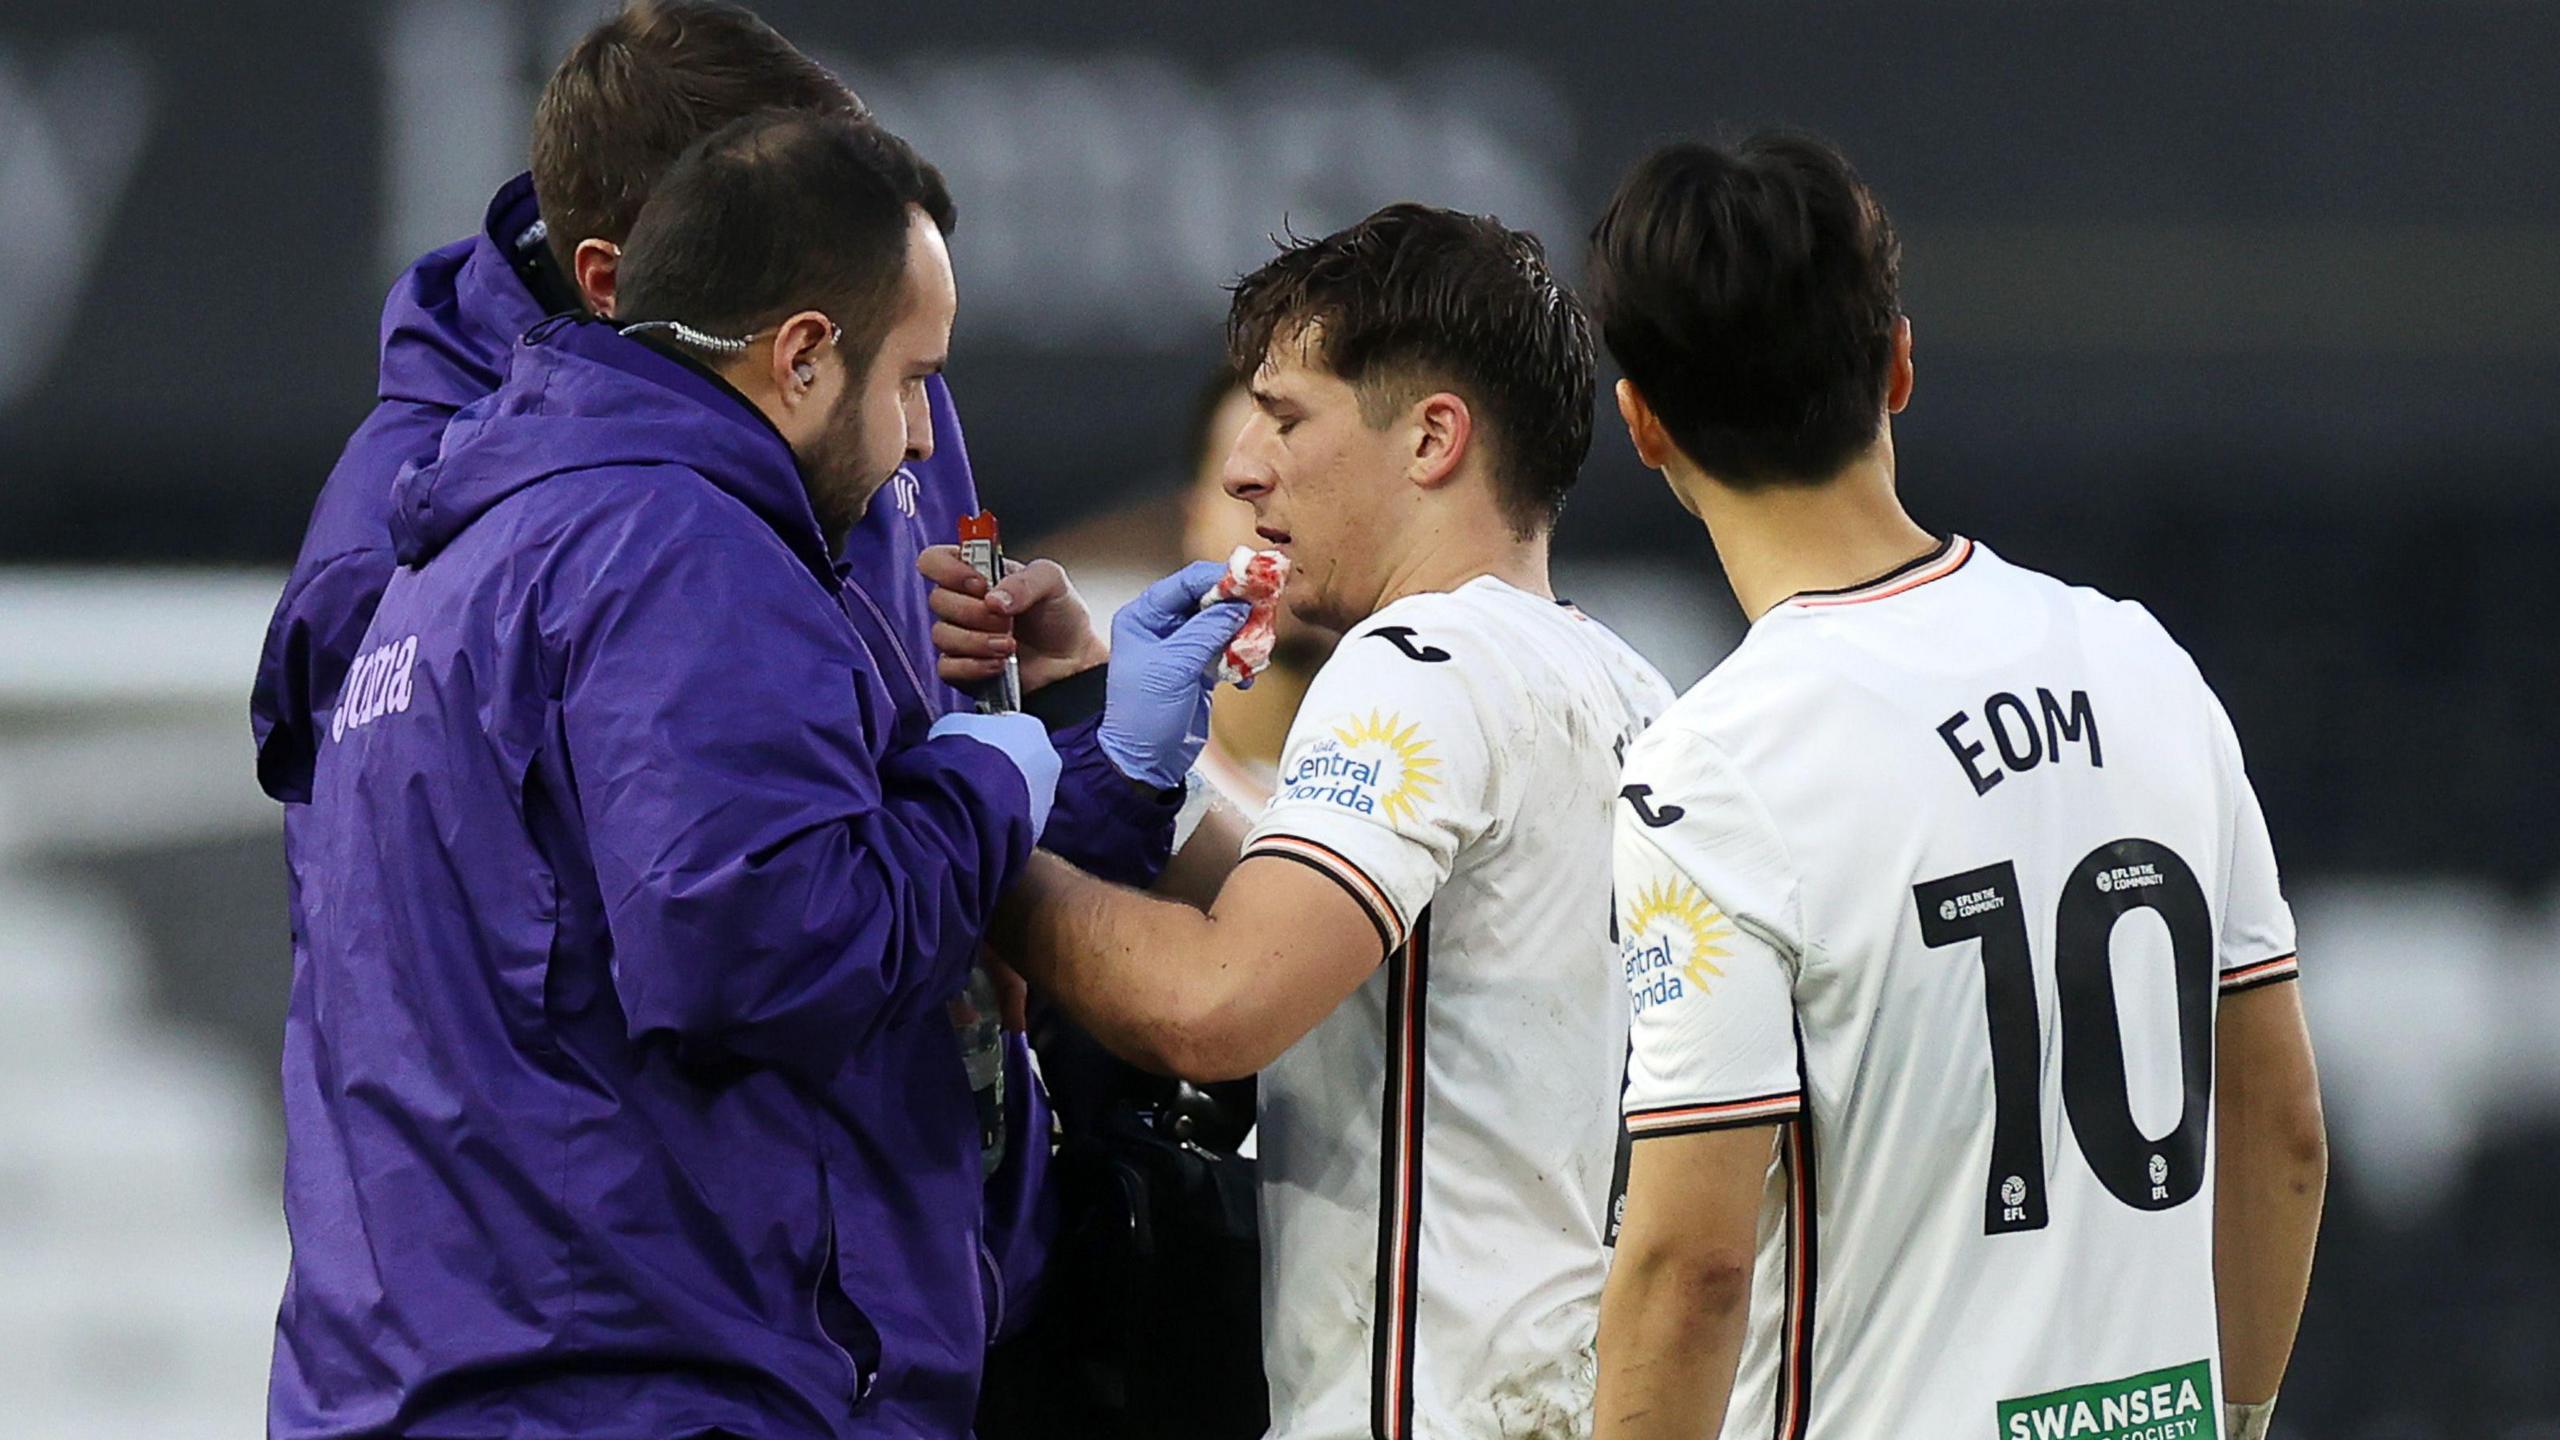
[{"x": 807, "y": 372}]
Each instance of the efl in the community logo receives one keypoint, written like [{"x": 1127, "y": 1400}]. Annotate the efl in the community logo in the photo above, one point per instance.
[
  {"x": 2171, "y": 1404},
  {"x": 1959, "y": 907},
  {"x": 1377, "y": 765},
  {"x": 1669, "y": 941},
  {"x": 2129, "y": 877}
]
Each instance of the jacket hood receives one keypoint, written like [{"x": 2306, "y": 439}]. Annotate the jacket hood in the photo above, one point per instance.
[
  {"x": 452, "y": 316},
  {"x": 579, "y": 395}
]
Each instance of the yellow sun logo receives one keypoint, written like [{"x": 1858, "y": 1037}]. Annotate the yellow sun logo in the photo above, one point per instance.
[
  {"x": 1677, "y": 902},
  {"x": 1417, "y": 772}
]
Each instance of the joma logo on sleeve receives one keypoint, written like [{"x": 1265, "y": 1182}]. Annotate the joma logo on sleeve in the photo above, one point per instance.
[{"x": 377, "y": 685}]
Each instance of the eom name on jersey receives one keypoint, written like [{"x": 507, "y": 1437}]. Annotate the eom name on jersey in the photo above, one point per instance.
[{"x": 2171, "y": 1404}]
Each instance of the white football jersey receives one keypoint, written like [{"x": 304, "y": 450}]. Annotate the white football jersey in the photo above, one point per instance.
[
  {"x": 1437, "y": 1153},
  {"x": 1948, "y": 872}
]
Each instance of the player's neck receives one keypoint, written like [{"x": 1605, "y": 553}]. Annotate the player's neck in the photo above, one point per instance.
[
  {"x": 1783, "y": 540},
  {"x": 1452, "y": 550},
  {"x": 1251, "y": 727}
]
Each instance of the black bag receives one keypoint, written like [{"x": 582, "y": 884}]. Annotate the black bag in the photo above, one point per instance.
[{"x": 1150, "y": 1320}]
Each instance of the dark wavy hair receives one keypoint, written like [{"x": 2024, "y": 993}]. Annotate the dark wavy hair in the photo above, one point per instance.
[
  {"x": 639, "y": 89},
  {"x": 1416, "y": 299},
  {"x": 780, "y": 212},
  {"x": 1751, "y": 295}
]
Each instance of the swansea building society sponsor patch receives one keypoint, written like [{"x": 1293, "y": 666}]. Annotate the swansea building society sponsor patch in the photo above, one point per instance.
[{"x": 2172, "y": 1404}]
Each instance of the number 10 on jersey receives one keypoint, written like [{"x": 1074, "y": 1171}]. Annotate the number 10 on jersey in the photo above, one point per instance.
[{"x": 2109, "y": 883}]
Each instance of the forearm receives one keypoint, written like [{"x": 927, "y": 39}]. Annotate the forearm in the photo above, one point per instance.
[
  {"x": 1146, "y": 977},
  {"x": 1201, "y": 867},
  {"x": 1678, "y": 1301},
  {"x": 2266, "y": 1224},
  {"x": 1671, "y": 1338},
  {"x": 2271, "y": 1180}
]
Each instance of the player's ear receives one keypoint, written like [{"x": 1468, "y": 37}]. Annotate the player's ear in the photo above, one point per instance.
[
  {"x": 596, "y": 266},
  {"x": 1897, "y": 376},
  {"x": 1644, "y": 428},
  {"x": 1442, "y": 430}
]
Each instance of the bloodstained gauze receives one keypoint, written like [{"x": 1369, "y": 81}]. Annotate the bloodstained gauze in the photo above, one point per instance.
[{"x": 1256, "y": 577}]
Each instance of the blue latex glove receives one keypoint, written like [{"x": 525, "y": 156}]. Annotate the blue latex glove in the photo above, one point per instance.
[
  {"x": 1021, "y": 739},
  {"x": 1155, "y": 713}
]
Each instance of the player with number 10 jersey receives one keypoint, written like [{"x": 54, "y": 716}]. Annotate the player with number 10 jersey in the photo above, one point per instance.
[
  {"x": 1953, "y": 865},
  {"x": 1942, "y": 901}
]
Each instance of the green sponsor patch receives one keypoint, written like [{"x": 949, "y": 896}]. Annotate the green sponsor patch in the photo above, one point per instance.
[{"x": 2171, "y": 1404}]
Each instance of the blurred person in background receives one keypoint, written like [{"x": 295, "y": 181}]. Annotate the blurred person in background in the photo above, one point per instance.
[
  {"x": 1872, "y": 879},
  {"x": 1410, "y": 947},
  {"x": 622, "y": 1102}
]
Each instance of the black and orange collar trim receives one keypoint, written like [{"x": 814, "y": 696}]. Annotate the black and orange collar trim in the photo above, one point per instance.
[{"x": 1938, "y": 564}]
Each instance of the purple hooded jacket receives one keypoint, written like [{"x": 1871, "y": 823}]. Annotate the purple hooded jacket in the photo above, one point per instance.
[
  {"x": 619, "y": 1094},
  {"x": 447, "y": 329}
]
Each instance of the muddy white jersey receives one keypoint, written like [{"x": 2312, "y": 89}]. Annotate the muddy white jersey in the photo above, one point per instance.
[
  {"x": 1946, "y": 875},
  {"x": 1437, "y": 1154}
]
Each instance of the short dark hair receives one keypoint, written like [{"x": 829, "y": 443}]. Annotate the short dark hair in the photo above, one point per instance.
[
  {"x": 1752, "y": 296},
  {"x": 638, "y": 89},
  {"x": 1418, "y": 296},
  {"x": 777, "y": 213}
]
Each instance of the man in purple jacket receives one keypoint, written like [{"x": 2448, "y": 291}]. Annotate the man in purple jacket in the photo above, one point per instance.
[
  {"x": 620, "y": 1099},
  {"x": 629, "y": 97}
]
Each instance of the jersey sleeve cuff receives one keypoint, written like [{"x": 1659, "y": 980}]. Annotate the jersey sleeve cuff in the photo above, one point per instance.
[
  {"x": 1371, "y": 896},
  {"x": 1654, "y": 1121},
  {"x": 2262, "y": 972}
]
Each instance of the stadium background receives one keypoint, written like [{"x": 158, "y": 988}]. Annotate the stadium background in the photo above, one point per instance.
[{"x": 2250, "y": 310}]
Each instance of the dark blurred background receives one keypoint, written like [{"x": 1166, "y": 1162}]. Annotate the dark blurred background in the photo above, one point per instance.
[{"x": 2248, "y": 310}]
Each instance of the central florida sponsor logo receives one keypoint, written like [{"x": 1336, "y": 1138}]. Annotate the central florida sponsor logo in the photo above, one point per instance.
[
  {"x": 1377, "y": 765},
  {"x": 1669, "y": 943},
  {"x": 2171, "y": 1404}
]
